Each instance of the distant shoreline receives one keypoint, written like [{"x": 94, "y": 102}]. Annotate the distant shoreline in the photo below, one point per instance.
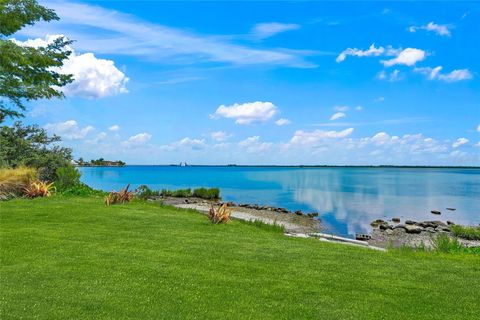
[{"x": 292, "y": 166}]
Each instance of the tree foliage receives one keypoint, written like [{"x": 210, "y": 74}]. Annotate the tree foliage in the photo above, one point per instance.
[
  {"x": 31, "y": 146},
  {"x": 28, "y": 73}
]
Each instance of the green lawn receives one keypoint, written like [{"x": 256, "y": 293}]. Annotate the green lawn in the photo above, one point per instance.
[{"x": 65, "y": 258}]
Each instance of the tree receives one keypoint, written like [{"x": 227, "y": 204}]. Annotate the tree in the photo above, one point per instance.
[
  {"x": 28, "y": 73},
  {"x": 31, "y": 146}
]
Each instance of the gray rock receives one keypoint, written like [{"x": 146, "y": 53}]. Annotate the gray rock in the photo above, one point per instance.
[
  {"x": 399, "y": 226},
  {"x": 377, "y": 223},
  {"x": 442, "y": 228},
  {"x": 410, "y": 222},
  {"x": 435, "y": 212},
  {"x": 450, "y": 223},
  {"x": 430, "y": 229},
  {"x": 389, "y": 232},
  {"x": 411, "y": 228},
  {"x": 396, "y": 220},
  {"x": 451, "y": 209}
]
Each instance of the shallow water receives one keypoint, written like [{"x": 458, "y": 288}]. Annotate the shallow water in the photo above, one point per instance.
[{"x": 347, "y": 199}]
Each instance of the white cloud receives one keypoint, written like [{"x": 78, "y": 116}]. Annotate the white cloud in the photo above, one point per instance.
[
  {"x": 341, "y": 108},
  {"x": 266, "y": 30},
  {"x": 311, "y": 137},
  {"x": 478, "y": 128},
  {"x": 254, "y": 145},
  {"x": 459, "y": 142},
  {"x": 439, "y": 29},
  {"x": 408, "y": 57},
  {"x": 453, "y": 76},
  {"x": 137, "y": 140},
  {"x": 392, "y": 76},
  {"x": 93, "y": 77},
  {"x": 185, "y": 143},
  {"x": 115, "y": 127},
  {"x": 358, "y": 108},
  {"x": 219, "y": 135},
  {"x": 282, "y": 122},
  {"x": 247, "y": 113},
  {"x": 69, "y": 130},
  {"x": 106, "y": 31},
  {"x": 371, "y": 52},
  {"x": 338, "y": 115}
]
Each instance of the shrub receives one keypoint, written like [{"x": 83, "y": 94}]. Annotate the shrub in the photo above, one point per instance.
[
  {"x": 121, "y": 196},
  {"x": 203, "y": 193},
  {"x": 470, "y": 233},
  {"x": 67, "y": 177},
  {"x": 182, "y": 193},
  {"x": 39, "y": 189},
  {"x": 444, "y": 243},
  {"x": 14, "y": 181},
  {"x": 143, "y": 192},
  {"x": 220, "y": 215},
  {"x": 81, "y": 189}
]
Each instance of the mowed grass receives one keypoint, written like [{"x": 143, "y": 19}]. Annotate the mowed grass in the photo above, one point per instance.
[{"x": 72, "y": 258}]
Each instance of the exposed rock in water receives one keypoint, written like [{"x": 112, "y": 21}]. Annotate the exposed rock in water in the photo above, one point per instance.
[
  {"x": 411, "y": 228},
  {"x": 396, "y": 220},
  {"x": 410, "y": 222},
  {"x": 451, "y": 209},
  {"x": 450, "y": 223},
  {"x": 435, "y": 212},
  {"x": 377, "y": 222}
]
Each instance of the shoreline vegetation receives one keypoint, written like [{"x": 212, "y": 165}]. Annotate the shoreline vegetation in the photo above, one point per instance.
[
  {"x": 298, "y": 166},
  {"x": 98, "y": 163}
]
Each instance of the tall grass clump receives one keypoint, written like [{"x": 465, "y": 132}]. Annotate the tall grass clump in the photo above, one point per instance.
[
  {"x": 445, "y": 244},
  {"x": 204, "y": 193},
  {"x": 13, "y": 181},
  {"x": 274, "y": 227},
  {"x": 470, "y": 233}
]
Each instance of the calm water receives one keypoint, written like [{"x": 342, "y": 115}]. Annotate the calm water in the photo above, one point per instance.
[{"x": 347, "y": 199}]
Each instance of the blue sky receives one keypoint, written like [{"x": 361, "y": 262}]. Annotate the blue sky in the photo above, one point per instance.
[{"x": 267, "y": 83}]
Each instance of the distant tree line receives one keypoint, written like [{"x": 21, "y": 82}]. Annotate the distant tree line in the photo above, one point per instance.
[{"x": 100, "y": 162}]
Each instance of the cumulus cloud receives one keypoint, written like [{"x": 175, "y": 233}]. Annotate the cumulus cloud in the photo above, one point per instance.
[
  {"x": 408, "y": 57},
  {"x": 115, "y": 127},
  {"x": 69, "y": 130},
  {"x": 93, "y": 77},
  {"x": 478, "y": 128},
  {"x": 311, "y": 137},
  {"x": 219, "y": 135},
  {"x": 254, "y": 145},
  {"x": 185, "y": 143},
  {"x": 247, "y": 113},
  {"x": 439, "y": 29},
  {"x": 372, "y": 51},
  {"x": 459, "y": 142},
  {"x": 453, "y": 76},
  {"x": 266, "y": 30},
  {"x": 282, "y": 122},
  {"x": 137, "y": 140},
  {"x": 338, "y": 115}
]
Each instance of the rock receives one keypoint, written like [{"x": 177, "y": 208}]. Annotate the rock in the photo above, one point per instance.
[
  {"x": 399, "y": 226},
  {"x": 362, "y": 237},
  {"x": 389, "y": 232},
  {"x": 377, "y": 222},
  {"x": 450, "y": 223},
  {"x": 186, "y": 201},
  {"x": 385, "y": 226},
  {"x": 430, "y": 229},
  {"x": 410, "y": 222},
  {"x": 411, "y": 228},
  {"x": 313, "y": 214},
  {"x": 435, "y": 212},
  {"x": 299, "y": 213},
  {"x": 442, "y": 228},
  {"x": 396, "y": 220},
  {"x": 451, "y": 209}
]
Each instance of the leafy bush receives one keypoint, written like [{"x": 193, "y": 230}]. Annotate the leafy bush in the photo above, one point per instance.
[
  {"x": 203, "y": 193},
  {"x": 220, "y": 215},
  {"x": 14, "y": 181},
  {"x": 470, "y": 233},
  {"x": 39, "y": 189},
  {"x": 121, "y": 196},
  {"x": 83, "y": 190},
  {"x": 143, "y": 192},
  {"x": 180, "y": 193},
  {"x": 67, "y": 177},
  {"x": 444, "y": 243},
  {"x": 31, "y": 146}
]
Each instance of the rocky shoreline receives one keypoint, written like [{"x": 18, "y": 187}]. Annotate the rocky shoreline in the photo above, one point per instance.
[{"x": 297, "y": 223}]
